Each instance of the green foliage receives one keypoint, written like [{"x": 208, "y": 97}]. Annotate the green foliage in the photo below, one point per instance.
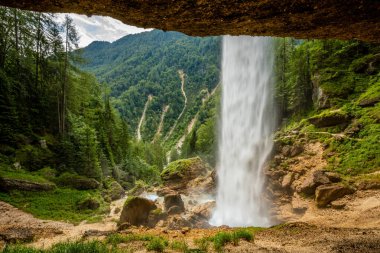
[
  {"x": 179, "y": 167},
  {"x": 157, "y": 244},
  {"x": 180, "y": 246},
  {"x": 61, "y": 204},
  {"x": 23, "y": 175},
  {"x": 140, "y": 65},
  {"x": 68, "y": 247}
]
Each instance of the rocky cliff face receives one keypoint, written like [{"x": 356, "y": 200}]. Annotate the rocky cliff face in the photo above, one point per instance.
[{"x": 348, "y": 19}]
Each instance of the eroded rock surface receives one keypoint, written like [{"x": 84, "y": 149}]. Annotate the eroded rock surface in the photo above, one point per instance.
[{"x": 348, "y": 19}]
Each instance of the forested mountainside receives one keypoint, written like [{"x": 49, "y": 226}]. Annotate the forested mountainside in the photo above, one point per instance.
[{"x": 157, "y": 64}]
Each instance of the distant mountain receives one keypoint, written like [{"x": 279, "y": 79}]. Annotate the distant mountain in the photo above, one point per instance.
[{"x": 151, "y": 63}]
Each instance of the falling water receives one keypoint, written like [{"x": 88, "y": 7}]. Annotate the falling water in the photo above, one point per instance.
[{"x": 247, "y": 125}]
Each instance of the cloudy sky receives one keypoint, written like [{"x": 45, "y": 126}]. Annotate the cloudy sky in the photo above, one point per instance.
[{"x": 99, "y": 28}]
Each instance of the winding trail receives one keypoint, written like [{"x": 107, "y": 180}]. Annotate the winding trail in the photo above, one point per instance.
[
  {"x": 159, "y": 129},
  {"x": 150, "y": 97},
  {"x": 182, "y": 77}
]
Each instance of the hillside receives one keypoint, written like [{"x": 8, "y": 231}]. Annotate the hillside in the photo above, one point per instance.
[{"x": 137, "y": 66}]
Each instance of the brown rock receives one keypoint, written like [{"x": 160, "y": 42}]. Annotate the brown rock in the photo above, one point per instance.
[
  {"x": 204, "y": 210},
  {"x": 286, "y": 18},
  {"x": 7, "y": 184},
  {"x": 181, "y": 173},
  {"x": 325, "y": 194},
  {"x": 89, "y": 203},
  {"x": 312, "y": 181},
  {"x": 17, "y": 234},
  {"x": 116, "y": 191},
  {"x": 369, "y": 185},
  {"x": 174, "y": 200},
  {"x": 296, "y": 150},
  {"x": 136, "y": 211},
  {"x": 333, "y": 176},
  {"x": 287, "y": 180}
]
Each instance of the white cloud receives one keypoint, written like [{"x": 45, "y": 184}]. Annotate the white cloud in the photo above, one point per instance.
[{"x": 99, "y": 28}]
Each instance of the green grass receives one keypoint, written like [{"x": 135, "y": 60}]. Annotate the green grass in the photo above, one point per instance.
[
  {"x": 222, "y": 238},
  {"x": 157, "y": 244},
  {"x": 180, "y": 246},
  {"x": 23, "y": 175},
  {"x": 60, "y": 204},
  {"x": 69, "y": 247}
]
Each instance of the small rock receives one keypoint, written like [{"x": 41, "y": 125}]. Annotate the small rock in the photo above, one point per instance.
[
  {"x": 325, "y": 194},
  {"x": 185, "y": 230},
  {"x": 123, "y": 226},
  {"x": 333, "y": 176},
  {"x": 117, "y": 210},
  {"x": 174, "y": 210},
  {"x": 296, "y": 150},
  {"x": 174, "y": 200},
  {"x": 90, "y": 203},
  {"x": 287, "y": 180},
  {"x": 314, "y": 180},
  {"x": 369, "y": 185},
  {"x": 338, "y": 204}
]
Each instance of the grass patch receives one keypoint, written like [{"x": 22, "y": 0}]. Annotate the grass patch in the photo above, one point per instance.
[
  {"x": 70, "y": 247},
  {"x": 222, "y": 238},
  {"x": 23, "y": 175},
  {"x": 180, "y": 246},
  {"x": 157, "y": 244},
  {"x": 60, "y": 204}
]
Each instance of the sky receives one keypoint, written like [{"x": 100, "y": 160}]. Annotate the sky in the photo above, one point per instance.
[{"x": 99, "y": 28}]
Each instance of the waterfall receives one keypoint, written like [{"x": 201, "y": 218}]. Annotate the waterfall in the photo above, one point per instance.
[{"x": 245, "y": 138}]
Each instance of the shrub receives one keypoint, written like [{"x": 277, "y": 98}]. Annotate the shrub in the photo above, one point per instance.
[
  {"x": 157, "y": 244},
  {"x": 180, "y": 246}
]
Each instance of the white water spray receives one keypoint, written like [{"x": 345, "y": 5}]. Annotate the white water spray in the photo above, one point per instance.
[{"x": 247, "y": 124}]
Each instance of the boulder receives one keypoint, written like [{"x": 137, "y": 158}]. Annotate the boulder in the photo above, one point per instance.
[
  {"x": 177, "y": 222},
  {"x": 156, "y": 216},
  {"x": 330, "y": 118},
  {"x": 204, "y": 210},
  {"x": 8, "y": 184},
  {"x": 296, "y": 150},
  {"x": 174, "y": 200},
  {"x": 175, "y": 210},
  {"x": 77, "y": 182},
  {"x": 333, "y": 176},
  {"x": 17, "y": 234},
  {"x": 287, "y": 180},
  {"x": 90, "y": 203},
  {"x": 115, "y": 190},
  {"x": 369, "y": 185},
  {"x": 178, "y": 174},
  {"x": 325, "y": 194},
  {"x": 366, "y": 102},
  {"x": 312, "y": 181},
  {"x": 136, "y": 211}
]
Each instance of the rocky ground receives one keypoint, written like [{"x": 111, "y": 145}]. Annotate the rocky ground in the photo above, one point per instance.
[{"x": 318, "y": 210}]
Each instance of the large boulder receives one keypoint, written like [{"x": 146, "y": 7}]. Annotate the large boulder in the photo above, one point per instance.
[
  {"x": 173, "y": 204},
  {"x": 325, "y": 194},
  {"x": 369, "y": 185},
  {"x": 136, "y": 211},
  {"x": 8, "y": 184},
  {"x": 312, "y": 181},
  {"x": 77, "y": 182},
  {"x": 178, "y": 174},
  {"x": 329, "y": 118}
]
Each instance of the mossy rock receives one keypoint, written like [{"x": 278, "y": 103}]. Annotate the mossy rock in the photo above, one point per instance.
[
  {"x": 114, "y": 190},
  {"x": 371, "y": 96},
  {"x": 88, "y": 203},
  {"x": 77, "y": 182},
  {"x": 136, "y": 211},
  {"x": 329, "y": 118},
  {"x": 23, "y": 181},
  {"x": 178, "y": 173}
]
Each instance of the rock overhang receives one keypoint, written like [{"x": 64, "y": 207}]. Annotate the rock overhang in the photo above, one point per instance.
[{"x": 336, "y": 19}]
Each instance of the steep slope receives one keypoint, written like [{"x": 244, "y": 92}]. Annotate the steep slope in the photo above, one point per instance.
[{"x": 148, "y": 64}]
